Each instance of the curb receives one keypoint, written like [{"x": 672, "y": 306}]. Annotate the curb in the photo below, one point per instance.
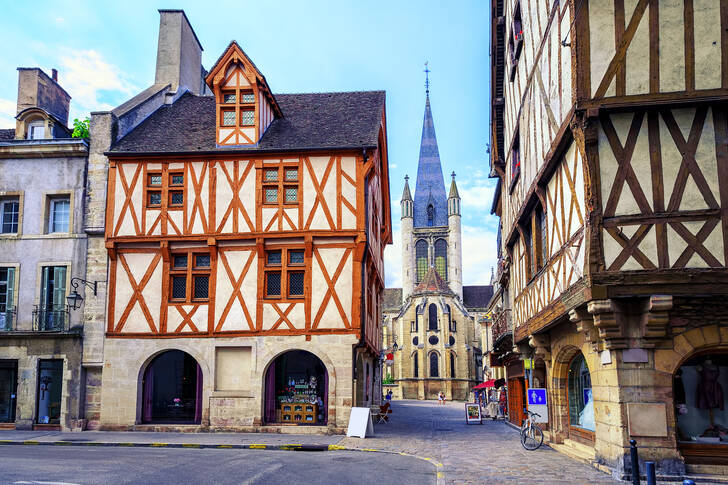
[{"x": 250, "y": 446}]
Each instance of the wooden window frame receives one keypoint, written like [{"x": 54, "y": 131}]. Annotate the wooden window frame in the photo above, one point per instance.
[
  {"x": 516, "y": 160},
  {"x": 228, "y": 108},
  {"x": 515, "y": 39},
  {"x": 575, "y": 432},
  {"x": 281, "y": 185},
  {"x": 285, "y": 268},
  {"x": 190, "y": 271},
  {"x": 165, "y": 189}
]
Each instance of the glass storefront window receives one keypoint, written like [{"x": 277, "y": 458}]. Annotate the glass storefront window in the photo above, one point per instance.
[
  {"x": 699, "y": 388},
  {"x": 50, "y": 387},
  {"x": 581, "y": 403}
]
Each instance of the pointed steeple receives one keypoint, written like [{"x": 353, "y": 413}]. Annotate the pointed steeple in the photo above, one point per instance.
[
  {"x": 430, "y": 186},
  {"x": 453, "y": 200},
  {"x": 406, "y": 202},
  {"x": 406, "y": 193},
  {"x": 453, "y": 188}
]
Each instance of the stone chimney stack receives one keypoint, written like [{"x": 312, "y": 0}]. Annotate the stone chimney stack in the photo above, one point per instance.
[
  {"x": 179, "y": 53},
  {"x": 54, "y": 74},
  {"x": 37, "y": 90}
]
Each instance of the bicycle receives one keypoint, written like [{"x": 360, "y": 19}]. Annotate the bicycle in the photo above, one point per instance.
[{"x": 531, "y": 434}]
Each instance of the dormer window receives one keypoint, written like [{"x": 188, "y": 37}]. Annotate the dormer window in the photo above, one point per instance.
[
  {"x": 247, "y": 118},
  {"x": 229, "y": 98},
  {"x": 36, "y": 130}
]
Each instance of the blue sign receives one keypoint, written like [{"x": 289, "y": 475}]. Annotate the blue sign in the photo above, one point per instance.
[{"x": 537, "y": 396}]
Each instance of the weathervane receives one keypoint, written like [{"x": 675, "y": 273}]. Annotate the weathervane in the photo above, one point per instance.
[{"x": 427, "y": 78}]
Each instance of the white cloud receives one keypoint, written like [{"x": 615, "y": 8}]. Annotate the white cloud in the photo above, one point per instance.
[
  {"x": 7, "y": 113},
  {"x": 86, "y": 75},
  {"x": 60, "y": 20}
]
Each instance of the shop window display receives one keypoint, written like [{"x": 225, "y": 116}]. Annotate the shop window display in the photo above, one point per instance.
[
  {"x": 699, "y": 387},
  {"x": 296, "y": 389},
  {"x": 581, "y": 402}
]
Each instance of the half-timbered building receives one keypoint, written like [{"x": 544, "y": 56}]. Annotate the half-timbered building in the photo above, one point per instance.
[
  {"x": 610, "y": 144},
  {"x": 245, "y": 232}
]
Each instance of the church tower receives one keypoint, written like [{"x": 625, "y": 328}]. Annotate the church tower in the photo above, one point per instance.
[{"x": 431, "y": 222}]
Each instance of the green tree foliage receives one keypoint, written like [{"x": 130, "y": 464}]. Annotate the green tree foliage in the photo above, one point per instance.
[
  {"x": 80, "y": 128},
  {"x": 388, "y": 380}
]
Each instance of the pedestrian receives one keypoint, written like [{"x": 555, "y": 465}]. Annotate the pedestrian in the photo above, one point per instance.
[
  {"x": 388, "y": 397},
  {"x": 439, "y": 398},
  {"x": 503, "y": 401}
]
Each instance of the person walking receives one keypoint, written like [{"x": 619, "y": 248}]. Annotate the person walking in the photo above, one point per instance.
[{"x": 388, "y": 397}]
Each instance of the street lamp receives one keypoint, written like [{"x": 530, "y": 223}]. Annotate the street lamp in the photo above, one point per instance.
[{"x": 74, "y": 299}]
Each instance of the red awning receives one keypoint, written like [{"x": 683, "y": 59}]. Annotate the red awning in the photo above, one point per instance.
[{"x": 486, "y": 384}]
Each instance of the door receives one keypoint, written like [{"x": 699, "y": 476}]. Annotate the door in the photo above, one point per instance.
[
  {"x": 50, "y": 391},
  {"x": 8, "y": 389}
]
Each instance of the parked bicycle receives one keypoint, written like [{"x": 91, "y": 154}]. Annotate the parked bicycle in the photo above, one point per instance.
[{"x": 531, "y": 434}]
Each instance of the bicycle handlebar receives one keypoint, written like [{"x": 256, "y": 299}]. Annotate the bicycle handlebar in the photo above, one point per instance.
[{"x": 532, "y": 413}]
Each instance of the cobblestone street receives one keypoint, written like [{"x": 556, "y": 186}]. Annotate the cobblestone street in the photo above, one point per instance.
[{"x": 491, "y": 453}]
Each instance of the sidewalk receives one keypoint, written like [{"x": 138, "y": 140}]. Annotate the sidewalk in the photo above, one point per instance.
[{"x": 171, "y": 439}]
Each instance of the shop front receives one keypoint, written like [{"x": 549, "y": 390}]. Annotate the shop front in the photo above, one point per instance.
[
  {"x": 296, "y": 390},
  {"x": 172, "y": 389},
  {"x": 8, "y": 390},
  {"x": 516, "y": 391},
  {"x": 50, "y": 390}
]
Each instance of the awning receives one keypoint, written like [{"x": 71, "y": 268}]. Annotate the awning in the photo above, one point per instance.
[{"x": 486, "y": 384}]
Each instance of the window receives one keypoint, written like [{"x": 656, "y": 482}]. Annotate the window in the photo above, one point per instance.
[
  {"x": 7, "y": 300},
  {"x": 515, "y": 158},
  {"x": 59, "y": 214},
  {"x": 285, "y": 273},
  {"x": 413, "y": 326},
  {"x": 189, "y": 274},
  {"x": 248, "y": 97},
  {"x": 432, "y": 317},
  {"x": 441, "y": 258},
  {"x": 36, "y": 130},
  {"x": 247, "y": 117},
  {"x": 539, "y": 232},
  {"x": 415, "y": 365},
  {"x": 157, "y": 189},
  {"x": 237, "y": 108},
  {"x": 527, "y": 250},
  {"x": 515, "y": 39},
  {"x": 228, "y": 117},
  {"x": 430, "y": 215},
  {"x": 9, "y": 214},
  {"x": 421, "y": 259},
  {"x": 581, "y": 403},
  {"x": 434, "y": 365},
  {"x": 229, "y": 98},
  {"x": 52, "y": 312},
  {"x": 452, "y": 365},
  {"x": 280, "y": 184}
]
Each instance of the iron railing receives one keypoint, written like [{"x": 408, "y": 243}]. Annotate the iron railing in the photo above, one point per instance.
[
  {"x": 7, "y": 320},
  {"x": 50, "y": 319},
  {"x": 501, "y": 324}
]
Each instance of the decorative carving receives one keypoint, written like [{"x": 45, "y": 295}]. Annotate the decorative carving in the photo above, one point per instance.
[
  {"x": 585, "y": 323},
  {"x": 541, "y": 344},
  {"x": 611, "y": 330},
  {"x": 656, "y": 318}
]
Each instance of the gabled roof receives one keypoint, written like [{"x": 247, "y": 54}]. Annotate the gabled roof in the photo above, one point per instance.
[
  {"x": 6, "y": 135},
  {"x": 477, "y": 296},
  {"x": 432, "y": 283},
  {"x": 235, "y": 52},
  {"x": 312, "y": 121}
]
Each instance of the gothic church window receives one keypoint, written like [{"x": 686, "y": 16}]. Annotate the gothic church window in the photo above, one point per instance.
[
  {"x": 432, "y": 317},
  {"x": 415, "y": 363},
  {"x": 452, "y": 365},
  {"x": 430, "y": 215},
  {"x": 441, "y": 258},
  {"x": 434, "y": 365},
  {"x": 421, "y": 257}
]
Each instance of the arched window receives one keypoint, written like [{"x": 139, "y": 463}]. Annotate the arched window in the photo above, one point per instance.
[
  {"x": 434, "y": 365},
  {"x": 441, "y": 258},
  {"x": 432, "y": 317},
  {"x": 415, "y": 363},
  {"x": 581, "y": 402},
  {"x": 430, "y": 215},
  {"x": 452, "y": 365},
  {"x": 421, "y": 257},
  {"x": 449, "y": 318}
]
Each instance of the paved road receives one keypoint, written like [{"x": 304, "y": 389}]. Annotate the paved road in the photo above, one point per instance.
[
  {"x": 487, "y": 453},
  {"x": 57, "y": 465}
]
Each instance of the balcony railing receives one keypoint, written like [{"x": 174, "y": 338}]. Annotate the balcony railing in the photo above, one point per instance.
[
  {"x": 501, "y": 324},
  {"x": 50, "y": 319},
  {"x": 7, "y": 320}
]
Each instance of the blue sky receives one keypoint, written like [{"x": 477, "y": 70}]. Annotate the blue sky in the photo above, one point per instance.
[{"x": 106, "y": 51}]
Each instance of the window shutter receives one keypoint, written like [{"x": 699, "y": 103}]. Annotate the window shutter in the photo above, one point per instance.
[{"x": 59, "y": 287}]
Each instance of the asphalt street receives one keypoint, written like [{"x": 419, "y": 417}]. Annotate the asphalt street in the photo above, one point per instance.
[{"x": 58, "y": 465}]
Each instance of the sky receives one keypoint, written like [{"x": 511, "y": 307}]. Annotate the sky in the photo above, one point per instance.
[{"x": 105, "y": 53}]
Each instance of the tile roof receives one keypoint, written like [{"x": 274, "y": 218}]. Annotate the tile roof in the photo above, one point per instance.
[
  {"x": 7, "y": 135},
  {"x": 432, "y": 282},
  {"x": 392, "y": 299},
  {"x": 311, "y": 121},
  {"x": 477, "y": 296}
]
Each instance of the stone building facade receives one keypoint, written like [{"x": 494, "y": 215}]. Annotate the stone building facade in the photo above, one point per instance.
[
  {"x": 240, "y": 234},
  {"x": 42, "y": 250},
  {"x": 433, "y": 318},
  {"x": 609, "y": 139}
]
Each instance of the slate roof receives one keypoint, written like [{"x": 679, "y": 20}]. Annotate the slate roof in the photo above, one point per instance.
[
  {"x": 430, "y": 186},
  {"x": 432, "y": 282},
  {"x": 477, "y": 296},
  {"x": 310, "y": 121},
  {"x": 392, "y": 299},
  {"x": 7, "y": 135}
]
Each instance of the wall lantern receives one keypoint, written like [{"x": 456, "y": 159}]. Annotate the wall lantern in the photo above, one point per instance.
[{"x": 74, "y": 299}]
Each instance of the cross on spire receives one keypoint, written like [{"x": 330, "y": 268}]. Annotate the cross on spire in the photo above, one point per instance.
[{"x": 427, "y": 78}]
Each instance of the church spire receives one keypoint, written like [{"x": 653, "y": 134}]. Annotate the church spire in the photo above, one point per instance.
[
  {"x": 430, "y": 199},
  {"x": 406, "y": 202}
]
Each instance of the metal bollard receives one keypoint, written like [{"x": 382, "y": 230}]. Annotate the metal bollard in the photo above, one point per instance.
[
  {"x": 635, "y": 462},
  {"x": 650, "y": 472},
  {"x": 688, "y": 482}
]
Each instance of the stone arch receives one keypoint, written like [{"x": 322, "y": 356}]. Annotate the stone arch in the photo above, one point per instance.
[
  {"x": 206, "y": 378},
  {"x": 433, "y": 361},
  {"x": 188, "y": 399},
  {"x": 688, "y": 343},
  {"x": 559, "y": 390}
]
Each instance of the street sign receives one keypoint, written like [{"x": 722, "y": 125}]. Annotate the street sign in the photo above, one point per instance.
[{"x": 538, "y": 403}]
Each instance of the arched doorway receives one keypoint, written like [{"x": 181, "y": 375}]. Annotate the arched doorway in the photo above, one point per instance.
[
  {"x": 296, "y": 389},
  {"x": 172, "y": 389},
  {"x": 700, "y": 388}
]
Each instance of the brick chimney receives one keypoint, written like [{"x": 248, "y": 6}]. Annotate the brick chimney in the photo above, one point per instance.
[
  {"x": 37, "y": 90},
  {"x": 179, "y": 53}
]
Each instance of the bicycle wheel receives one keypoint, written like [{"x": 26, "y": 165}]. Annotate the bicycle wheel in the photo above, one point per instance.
[{"x": 532, "y": 437}]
